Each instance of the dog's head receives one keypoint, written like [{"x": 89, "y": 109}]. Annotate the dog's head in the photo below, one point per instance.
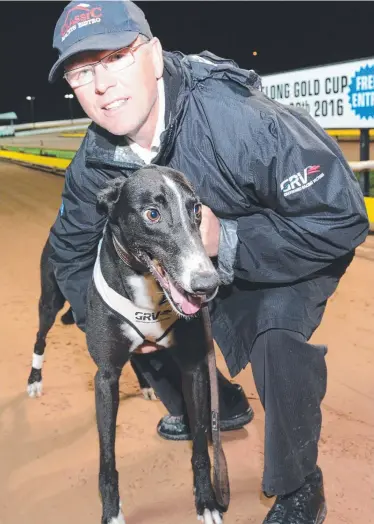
[{"x": 158, "y": 216}]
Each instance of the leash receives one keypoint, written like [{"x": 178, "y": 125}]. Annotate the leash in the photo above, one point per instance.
[{"x": 220, "y": 474}]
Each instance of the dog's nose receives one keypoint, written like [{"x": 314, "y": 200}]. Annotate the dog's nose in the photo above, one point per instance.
[{"x": 204, "y": 282}]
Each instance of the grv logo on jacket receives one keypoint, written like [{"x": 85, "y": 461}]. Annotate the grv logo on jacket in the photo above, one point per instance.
[{"x": 301, "y": 180}]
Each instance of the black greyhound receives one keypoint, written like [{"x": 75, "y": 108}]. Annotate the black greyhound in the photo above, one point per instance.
[
  {"x": 50, "y": 303},
  {"x": 152, "y": 277}
]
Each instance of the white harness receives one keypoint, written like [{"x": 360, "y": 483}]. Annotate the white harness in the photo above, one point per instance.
[{"x": 150, "y": 324}]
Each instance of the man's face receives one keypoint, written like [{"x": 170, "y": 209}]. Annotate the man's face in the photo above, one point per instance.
[{"x": 121, "y": 102}]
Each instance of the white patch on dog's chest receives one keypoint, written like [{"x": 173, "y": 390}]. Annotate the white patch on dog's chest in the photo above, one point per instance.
[{"x": 148, "y": 318}]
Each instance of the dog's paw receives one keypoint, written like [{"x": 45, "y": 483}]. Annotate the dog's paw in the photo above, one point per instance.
[
  {"x": 149, "y": 394},
  {"x": 210, "y": 517},
  {"x": 35, "y": 389},
  {"x": 118, "y": 520}
]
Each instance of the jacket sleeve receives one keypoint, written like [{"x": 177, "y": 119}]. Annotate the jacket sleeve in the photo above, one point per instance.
[
  {"x": 75, "y": 236},
  {"x": 309, "y": 208}
]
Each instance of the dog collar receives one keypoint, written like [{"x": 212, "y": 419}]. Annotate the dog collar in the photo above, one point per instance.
[{"x": 129, "y": 260}]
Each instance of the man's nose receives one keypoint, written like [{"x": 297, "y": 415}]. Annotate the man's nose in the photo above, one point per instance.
[{"x": 103, "y": 79}]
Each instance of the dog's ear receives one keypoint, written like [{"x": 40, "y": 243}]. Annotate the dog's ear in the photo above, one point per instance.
[{"x": 109, "y": 195}]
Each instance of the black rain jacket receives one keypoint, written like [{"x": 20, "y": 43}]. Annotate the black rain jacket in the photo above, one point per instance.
[{"x": 291, "y": 210}]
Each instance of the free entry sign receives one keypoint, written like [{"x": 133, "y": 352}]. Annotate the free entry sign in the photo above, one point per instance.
[{"x": 338, "y": 96}]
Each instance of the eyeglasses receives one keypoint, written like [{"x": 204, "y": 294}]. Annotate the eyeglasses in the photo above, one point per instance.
[{"x": 113, "y": 62}]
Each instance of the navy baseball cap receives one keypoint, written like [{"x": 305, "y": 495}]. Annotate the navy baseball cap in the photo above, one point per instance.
[{"x": 96, "y": 26}]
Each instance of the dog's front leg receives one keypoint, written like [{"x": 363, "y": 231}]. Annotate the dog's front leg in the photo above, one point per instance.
[
  {"x": 107, "y": 400},
  {"x": 110, "y": 353},
  {"x": 196, "y": 394},
  {"x": 191, "y": 357}
]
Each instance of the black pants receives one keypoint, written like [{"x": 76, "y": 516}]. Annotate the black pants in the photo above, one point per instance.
[
  {"x": 290, "y": 376},
  {"x": 162, "y": 373}
]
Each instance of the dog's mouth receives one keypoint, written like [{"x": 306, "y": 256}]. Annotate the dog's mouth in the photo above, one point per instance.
[{"x": 185, "y": 303}]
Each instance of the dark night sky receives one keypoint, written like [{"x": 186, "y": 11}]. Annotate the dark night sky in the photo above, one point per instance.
[{"x": 287, "y": 35}]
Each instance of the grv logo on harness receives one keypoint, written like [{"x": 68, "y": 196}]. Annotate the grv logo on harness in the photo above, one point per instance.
[
  {"x": 158, "y": 316},
  {"x": 301, "y": 180},
  {"x": 162, "y": 313}
]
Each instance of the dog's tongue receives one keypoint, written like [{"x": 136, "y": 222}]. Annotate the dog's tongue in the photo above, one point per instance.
[{"x": 189, "y": 306}]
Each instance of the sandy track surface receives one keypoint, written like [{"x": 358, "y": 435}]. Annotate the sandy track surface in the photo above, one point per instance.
[{"x": 49, "y": 448}]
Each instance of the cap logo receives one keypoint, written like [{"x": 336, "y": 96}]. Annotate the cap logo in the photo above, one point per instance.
[{"x": 79, "y": 16}]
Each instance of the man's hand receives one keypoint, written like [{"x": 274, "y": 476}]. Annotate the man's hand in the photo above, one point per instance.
[
  {"x": 147, "y": 347},
  {"x": 210, "y": 231}
]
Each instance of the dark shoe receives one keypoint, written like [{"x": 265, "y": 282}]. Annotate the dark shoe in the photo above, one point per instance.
[
  {"x": 235, "y": 412},
  {"x": 306, "y": 505}
]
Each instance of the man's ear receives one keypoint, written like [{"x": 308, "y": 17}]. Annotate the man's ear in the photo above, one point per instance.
[
  {"x": 157, "y": 57},
  {"x": 109, "y": 195}
]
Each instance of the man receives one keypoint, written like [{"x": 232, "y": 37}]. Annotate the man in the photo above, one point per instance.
[{"x": 282, "y": 216}]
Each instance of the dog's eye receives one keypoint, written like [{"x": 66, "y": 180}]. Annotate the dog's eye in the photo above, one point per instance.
[
  {"x": 152, "y": 215},
  {"x": 197, "y": 211}
]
